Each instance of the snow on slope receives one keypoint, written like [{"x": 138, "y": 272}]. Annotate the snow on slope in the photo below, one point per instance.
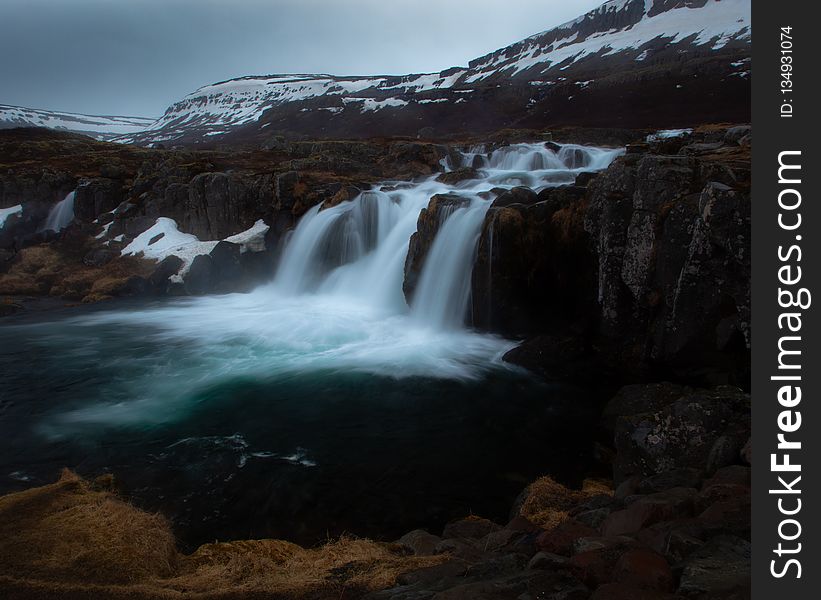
[
  {"x": 714, "y": 25},
  {"x": 99, "y": 127},
  {"x": 631, "y": 29}
]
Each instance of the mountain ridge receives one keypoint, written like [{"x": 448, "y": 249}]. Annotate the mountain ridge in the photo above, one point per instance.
[{"x": 626, "y": 63}]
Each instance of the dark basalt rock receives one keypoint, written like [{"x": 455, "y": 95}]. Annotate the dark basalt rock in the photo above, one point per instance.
[
  {"x": 199, "y": 279},
  {"x": 533, "y": 270},
  {"x": 97, "y": 196},
  {"x": 454, "y": 177},
  {"x": 670, "y": 429}
]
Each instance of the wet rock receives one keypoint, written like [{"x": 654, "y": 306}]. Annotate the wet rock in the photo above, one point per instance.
[
  {"x": 168, "y": 267},
  {"x": 457, "y": 176},
  {"x": 226, "y": 269},
  {"x": 199, "y": 279},
  {"x": 585, "y": 177},
  {"x": 428, "y": 224},
  {"x": 531, "y": 246},
  {"x": 517, "y": 195}
]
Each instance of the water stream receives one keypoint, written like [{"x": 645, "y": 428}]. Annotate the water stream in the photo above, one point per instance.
[{"x": 311, "y": 404}]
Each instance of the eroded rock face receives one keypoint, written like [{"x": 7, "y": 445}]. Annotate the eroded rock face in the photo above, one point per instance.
[
  {"x": 533, "y": 269},
  {"x": 648, "y": 263},
  {"x": 672, "y": 240}
]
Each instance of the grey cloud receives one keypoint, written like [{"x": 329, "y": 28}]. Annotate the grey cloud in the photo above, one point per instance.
[{"x": 135, "y": 57}]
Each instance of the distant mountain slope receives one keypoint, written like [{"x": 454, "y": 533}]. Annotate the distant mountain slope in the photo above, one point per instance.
[
  {"x": 103, "y": 128},
  {"x": 626, "y": 63}
]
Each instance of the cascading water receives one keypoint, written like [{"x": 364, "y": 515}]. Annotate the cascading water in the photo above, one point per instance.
[
  {"x": 318, "y": 385},
  {"x": 357, "y": 249},
  {"x": 60, "y": 215},
  {"x": 336, "y": 303}
]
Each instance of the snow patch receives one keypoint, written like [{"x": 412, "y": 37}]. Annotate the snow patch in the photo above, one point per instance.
[
  {"x": 5, "y": 213},
  {"x": 164, "y": 239}
]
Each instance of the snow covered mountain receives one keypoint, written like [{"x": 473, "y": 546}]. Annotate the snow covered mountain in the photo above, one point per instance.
[
  {"x": 625, "y": 63},
  {"x": 102, "y": 128}
]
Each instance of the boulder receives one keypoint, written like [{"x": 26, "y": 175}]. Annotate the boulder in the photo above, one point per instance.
[
  {"x": 722, "y": 565},
  {"x": 420, "y": 542},
  {"x": 457, "y": 176},
  {"x": 643, "y": 569},
  {"x": 471, "y": 527},
  {"x": 199, "y": 279},
  {"x": 653, "y": 508},
  {"x": 680, "y": 434}
]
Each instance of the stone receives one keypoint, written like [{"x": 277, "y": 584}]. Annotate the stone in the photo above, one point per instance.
[
  {"x": 644, "y": 569},
  {"x": 169, "y": 266},
  {"x": 561, "y": 538},
  {"x": 547, "y": 560},
  {"x": 430, "y": 576},
  {"x": 722, "y": 565},
  {"x": 199, "y": 278},
  {"x": 226, "y": 266},
  {"x": 734, "y": 135},
  {"x": 646, "y": 510},
  {"x": 470, "y": 527},
  {"x": 680, "y": 434},
  {"x": 457, "y": 176},
  {"x": 686, "y": 478},
  {"x": 420, "y": 542}
]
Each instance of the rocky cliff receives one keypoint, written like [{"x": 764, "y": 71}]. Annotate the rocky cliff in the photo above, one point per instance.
[{"x": 644, "y": 267}]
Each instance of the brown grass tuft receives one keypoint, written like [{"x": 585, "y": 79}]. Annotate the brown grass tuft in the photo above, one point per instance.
[
  {"x": 72, "y": 539},
  {"x": 548, "y": 503}
]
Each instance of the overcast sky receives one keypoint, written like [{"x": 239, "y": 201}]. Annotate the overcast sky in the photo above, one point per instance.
[{"x": 135, "y": 57}]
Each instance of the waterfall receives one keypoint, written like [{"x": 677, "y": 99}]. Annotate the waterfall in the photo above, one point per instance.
[
  {"x": 60, "y": 215},
  {"x": 356, "y": 250},
  {"x": 444, "y": 287}
]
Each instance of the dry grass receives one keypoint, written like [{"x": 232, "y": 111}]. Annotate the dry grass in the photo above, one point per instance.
[
  {"x": 44, "y": 270},
  {"x": 69, "y": 532},
  {"x": 71, "y": 540},
  {"x": 549, "y": 503}
]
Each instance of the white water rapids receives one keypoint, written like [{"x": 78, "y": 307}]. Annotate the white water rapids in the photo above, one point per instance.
[{"x": 336, "y": 304}]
